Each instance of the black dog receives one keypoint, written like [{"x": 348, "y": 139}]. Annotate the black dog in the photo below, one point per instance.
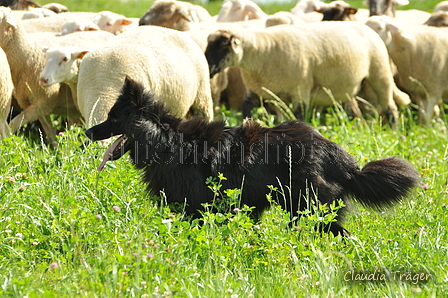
[{"x": 178, "y": 155}]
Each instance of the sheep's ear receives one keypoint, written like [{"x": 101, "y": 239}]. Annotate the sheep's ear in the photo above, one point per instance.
[
  {"x": 11, "y": 21},
  {"x": 45, "y": 49},
  {"x": 253, "y": 11},
  {"x": 194, "y": 16},
  {"x": 312, "y": 5},
  {"x": 351, "y": 10},
  {"x": 184, "y": 14},
  {"x": 126, "y": 22},
  {"x": 235, "y": 42},
  {"x": 79, "y": 54},
  {"x": 397, "y": 30}
]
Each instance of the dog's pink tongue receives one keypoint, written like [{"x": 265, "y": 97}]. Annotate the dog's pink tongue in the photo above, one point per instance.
[{"x": 109, "y": 152}]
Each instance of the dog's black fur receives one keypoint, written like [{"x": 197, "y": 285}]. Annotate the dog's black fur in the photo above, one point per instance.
[{"x": 177, "y": 156}]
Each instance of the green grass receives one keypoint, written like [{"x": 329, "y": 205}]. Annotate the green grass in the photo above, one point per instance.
[
  {"x": 68, "y": 231},
  {"x": 57, "y": 209}
]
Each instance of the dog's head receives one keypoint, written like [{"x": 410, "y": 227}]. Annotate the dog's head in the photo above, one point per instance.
[{"x": 133, "y": 108}]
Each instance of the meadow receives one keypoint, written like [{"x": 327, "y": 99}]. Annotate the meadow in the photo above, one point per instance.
[{"x": 68, "y": 230}]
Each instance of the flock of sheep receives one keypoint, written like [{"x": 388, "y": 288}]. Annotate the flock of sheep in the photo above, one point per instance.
[{"x": 73, "y": 64}]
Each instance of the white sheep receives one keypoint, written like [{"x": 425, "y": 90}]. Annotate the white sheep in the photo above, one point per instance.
[
  {"x": 62, "y": 65},
  {"x": 283, "y": 18},
  {"x": 37, "y": 13},
  {"x": 6, "y": 89},
  {"x": 420, "y": 54},
  {"x": 297, "y": 62},
  {"x": 306, "y": 6},
  {"x": 54, "y": 23},
  {"x": 62, "y": 62},
  {"x": 75, "y": 25},
  {"x": 113, "y": 22},
  {"x": 26, "y": 61},
  {"x": 166, "y": 61},
  {"x": 175, "y": 14},
  {"x": 56, "y": 7},
  {"x": 240, "y": 10}
]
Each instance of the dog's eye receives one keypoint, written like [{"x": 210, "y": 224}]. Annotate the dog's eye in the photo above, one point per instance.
[{"x": 113, "y": 120}]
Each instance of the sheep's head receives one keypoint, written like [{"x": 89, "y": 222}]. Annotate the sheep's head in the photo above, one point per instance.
[
  {"x": 60, "y": 65},
  {"x": 387, "y": 29},
  {"x": 167, "y": 14},
  {"x": 240, "y": 10},
  {"x": 21, "y": 4},
  {"x": 337, "y": 11},
  {"x": 223, "y": 49},
  {"x": 438, "y": 19},
  {"x": 111, "y": 22},
  {"x": 384, "y": 7}
]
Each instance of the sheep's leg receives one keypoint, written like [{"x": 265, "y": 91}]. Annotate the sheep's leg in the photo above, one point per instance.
[
  {"x": 31, "y": 114},
  {"x": 252, "y": 100},
  {"x": 383, "y": 87},
  {"x": 4, "y": 129},
  {"x": 354, "y": 107},
  {"x": 301, "y": 102},
  {"x": 400, "y": 97},
  {"x": 426, "y": 107},
  {"x": 49, "y": 130}
]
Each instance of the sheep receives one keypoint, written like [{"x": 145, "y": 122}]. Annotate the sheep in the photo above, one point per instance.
[
  {"x": 167, "y": 61},
  {"x": 80, "y": 38},
  {"x": 283, "y": 18},
  {"x": 174, "y": 14},
  {"x": 6, "y": 89},
  {"x": 75, "y": 25},
  {"x": 306, "y": 6},
  {"x": 56, "y": 7},
  {"x": 333, "y": 11},
  {"x": 54, "y": 23},
  {"x": 337, "y": 11},
  {"x": 420, "y": 55},
  {"x": 62, "y": 62},
  {"x": 441, "y": 6},
  {"x": 384, "y": 7},
  {"x": 113, "y": 22},
  {"x": 20, "y": 4},
  {"x": 37, "y": 13},
  {"x": 438, "y": 19},
  {"x": 227, "y": 87},
  {"x": 297, "y": 62},
  {"x": 26, "y": 61},
  {"x": 240, "y": 10}
]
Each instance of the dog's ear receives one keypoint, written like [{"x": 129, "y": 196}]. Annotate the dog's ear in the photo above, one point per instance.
[
  {"x": 129, "y": 85},
  {"x": 132, "y": 91}
]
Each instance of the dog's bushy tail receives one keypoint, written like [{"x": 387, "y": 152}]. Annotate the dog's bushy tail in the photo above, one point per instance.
[{"x": 383, "y": 182}]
